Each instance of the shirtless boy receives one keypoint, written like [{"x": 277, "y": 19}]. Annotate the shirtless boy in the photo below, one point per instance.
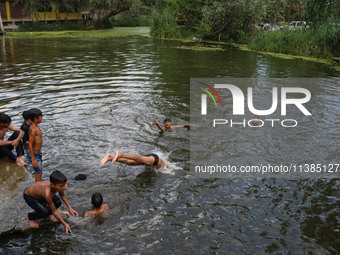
[
  {"x": 98, "y": 206},
  {"x": 14, "y": 140},
  {"x": 168, "y": 125},
  {"x": 134, "y": 160},
  {"x": 41, "y": 197},
  {"x": 35, "y": 143}
]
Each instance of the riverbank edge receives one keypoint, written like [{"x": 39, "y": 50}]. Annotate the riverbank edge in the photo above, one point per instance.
[
  {"x": 145, "y": 31},
  {"x": 244, "y": 47},
  {"x": 115, "y": 32},
  {"x": 331, "y": 63}
]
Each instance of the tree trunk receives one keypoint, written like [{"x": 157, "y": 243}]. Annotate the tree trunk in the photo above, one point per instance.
[{"x": 1, "y": 25}]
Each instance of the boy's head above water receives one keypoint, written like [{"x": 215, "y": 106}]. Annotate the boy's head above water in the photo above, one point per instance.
[
  {"x": 97, "y": 200},
  {"x": 58, "y": 181},
  {"x": 167, "y": 122}
]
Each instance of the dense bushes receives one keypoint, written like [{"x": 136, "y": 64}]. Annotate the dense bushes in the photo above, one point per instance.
[
  {"x": 321, "y": 41},
  {"x": 42, "y": 26},
  {"x": 163, "y": 24}
]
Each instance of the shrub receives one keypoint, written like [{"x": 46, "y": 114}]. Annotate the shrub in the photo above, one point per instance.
[{"x": 163, "y": 24}]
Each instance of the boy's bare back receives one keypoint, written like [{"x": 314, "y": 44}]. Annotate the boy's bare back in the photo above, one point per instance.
[
  {"x": 35, "y": 138},
  {"x": 40, "y": 190},
  {"x": 97, "y": 211}
]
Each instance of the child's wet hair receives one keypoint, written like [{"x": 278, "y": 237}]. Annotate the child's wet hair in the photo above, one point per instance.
[
  {"x": 34, "y": 113},
  {"x": 97, "y": 200},
  {"x": 4, "y": 118},
  {"x": 57, "y": 177},
  {"x": 26, "y": 115},
  {"x": 167, "y": 120}
]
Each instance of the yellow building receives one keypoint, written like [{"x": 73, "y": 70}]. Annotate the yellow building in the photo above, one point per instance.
[{"x": 11, "y": 12}]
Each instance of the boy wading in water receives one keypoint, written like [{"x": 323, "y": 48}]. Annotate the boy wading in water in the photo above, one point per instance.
[
  {"x": 14, "y": 140},
  {"x": 98, "y": 207},
  {"x": 134, "y": 160},
  {"x": 35, "y": 143},
  {"x": 41, "y": 197}
]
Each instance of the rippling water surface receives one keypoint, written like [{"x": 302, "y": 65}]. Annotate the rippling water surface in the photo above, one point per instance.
[{"x": 99, "y": 94}]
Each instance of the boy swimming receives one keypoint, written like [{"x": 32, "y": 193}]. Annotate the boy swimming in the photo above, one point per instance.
[
  {"x": 168, "y": 125},
  {"x": 134, "y": 160},
  {"x": 98, "y": 206},
  {"x": 41, "y": 197}
]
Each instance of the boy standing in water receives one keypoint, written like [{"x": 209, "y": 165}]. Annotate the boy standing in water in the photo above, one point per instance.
[
  {"x": 25, "y": 125},
  {"x": 168, "y": 125},
  {"x": 98, "y": 206},
  {"x": 134, "y": 160},
  {"x": 14, "y": 140},
  {"x": 35, "y": 143},
  {"x": 41, "y": 197}
]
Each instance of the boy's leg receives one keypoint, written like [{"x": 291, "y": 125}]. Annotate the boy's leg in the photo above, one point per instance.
[
  {"x": 140, "y": 160},
  {"x": 37, "y": 177},
  {"x": 20, "y": 147},
  {"x": 108, "y": 157},
  {"x": 6, "y": 150},
  {"x": 129, "y": 159},
  {"x": 40, "y": 211},
  {"x": 129, "y": 162},
  {"x": 38, "y": 170},
  {"x": 105, "y": 159}
]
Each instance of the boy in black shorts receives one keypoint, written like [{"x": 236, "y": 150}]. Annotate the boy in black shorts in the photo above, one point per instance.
[{"x": 134, "y": 160}]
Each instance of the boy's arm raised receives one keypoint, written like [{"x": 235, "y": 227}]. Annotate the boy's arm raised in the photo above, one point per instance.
[
  {"x": 54, "y": 211},
  {"x": 65, "y": 200},
  {"x": 157, "y": 124}
]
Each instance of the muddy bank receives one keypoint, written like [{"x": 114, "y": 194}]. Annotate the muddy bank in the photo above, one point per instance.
[{"x": 13, "y": 181}]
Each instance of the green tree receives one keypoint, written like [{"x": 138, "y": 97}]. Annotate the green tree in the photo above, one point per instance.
[
  {"x": 322, "y": 10},
  {"x": 231, "y": 18}
]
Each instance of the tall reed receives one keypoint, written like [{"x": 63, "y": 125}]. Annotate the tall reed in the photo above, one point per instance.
[
  {"x": 322, "y": 41},
  {"x": 163, "y": 24}
]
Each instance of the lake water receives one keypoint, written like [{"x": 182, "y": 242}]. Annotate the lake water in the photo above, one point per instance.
[{"x": 99, "y": 94}]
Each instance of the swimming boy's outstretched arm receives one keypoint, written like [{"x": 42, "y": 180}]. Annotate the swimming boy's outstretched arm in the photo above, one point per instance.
[
  {"x": 158, "y": 125},
  {"x": 185, "y": 125}
]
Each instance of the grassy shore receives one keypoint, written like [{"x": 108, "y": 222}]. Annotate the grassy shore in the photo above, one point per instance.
[
  {"x": 322, "y": 41},
  {"x": 126, "y": 31}
]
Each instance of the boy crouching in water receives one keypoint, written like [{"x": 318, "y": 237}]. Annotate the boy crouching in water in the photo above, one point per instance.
[
  {"x": 98, "y": 206},
  {"x": 41, "y": 197}
]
